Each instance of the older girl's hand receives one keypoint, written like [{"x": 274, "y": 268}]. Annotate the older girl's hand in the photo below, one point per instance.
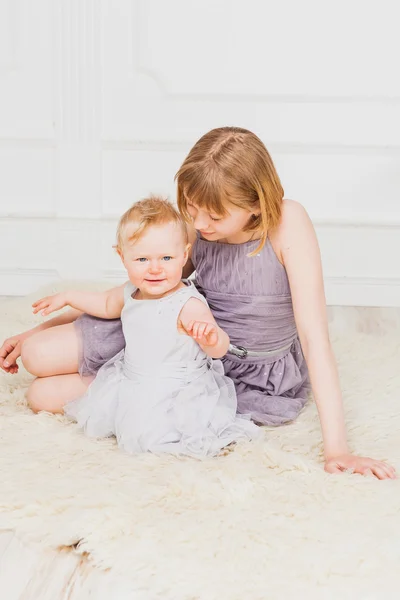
[
  {"x": 50, "y": 304},
  {"x": 361, "y": 465},
  {"x": 9, "y": 352}
]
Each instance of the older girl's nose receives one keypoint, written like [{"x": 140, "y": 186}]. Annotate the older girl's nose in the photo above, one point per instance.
[{"x": 200, "y": 222}]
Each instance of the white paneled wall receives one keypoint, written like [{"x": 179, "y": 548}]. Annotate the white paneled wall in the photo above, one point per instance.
[{"x": 100, "y": 101}]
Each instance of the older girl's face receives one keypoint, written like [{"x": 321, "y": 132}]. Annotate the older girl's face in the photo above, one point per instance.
[{"x": 213, "y": 227}]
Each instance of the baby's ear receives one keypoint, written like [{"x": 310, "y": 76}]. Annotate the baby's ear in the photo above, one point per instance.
[{"x": 119, "y": 252}]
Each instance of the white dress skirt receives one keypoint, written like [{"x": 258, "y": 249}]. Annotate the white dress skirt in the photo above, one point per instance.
[{"x": 162, "y": 393}]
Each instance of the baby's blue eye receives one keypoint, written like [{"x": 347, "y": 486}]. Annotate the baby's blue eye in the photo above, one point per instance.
[
  {"x": 167, "y": 258},
  {"x": 142, "y": 259}
]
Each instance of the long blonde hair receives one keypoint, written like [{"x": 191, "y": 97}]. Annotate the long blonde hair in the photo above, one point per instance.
[{"x": 231, "y": 164}]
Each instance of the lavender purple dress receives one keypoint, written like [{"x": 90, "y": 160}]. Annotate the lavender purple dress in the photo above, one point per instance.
[{"x": 250, "y": 299}]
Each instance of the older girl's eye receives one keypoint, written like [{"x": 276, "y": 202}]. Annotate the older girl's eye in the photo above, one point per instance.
[
  {"x": 214, "y": 218},
  {"x": 167, "y": 258}
]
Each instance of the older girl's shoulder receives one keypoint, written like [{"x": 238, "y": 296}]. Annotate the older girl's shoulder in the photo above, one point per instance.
[
  {"x": 294, "y": 218},
  {"x": 292, "y": 211},
  {"x": 294, "y": 221}
]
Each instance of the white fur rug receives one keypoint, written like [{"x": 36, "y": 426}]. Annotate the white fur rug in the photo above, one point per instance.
[{"x": 262, "y": 522}]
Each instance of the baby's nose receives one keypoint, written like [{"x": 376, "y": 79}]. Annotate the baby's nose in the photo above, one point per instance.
[{"x": 155, "y": 266}]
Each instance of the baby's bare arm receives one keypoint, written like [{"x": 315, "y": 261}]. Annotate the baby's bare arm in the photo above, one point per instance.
[
  {"x": 196, "y": 320},
  {"x": 105, "y": 305}
]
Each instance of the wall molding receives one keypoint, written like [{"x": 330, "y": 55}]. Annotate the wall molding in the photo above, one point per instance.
[
  {"x": 20, "y": 282},
  {"x": 362, "y": 291},
  {"x": 82, "y": 222},
  {"x": 275, "y": 147},
  {"x": 23, "y": 143},
  {"x": 141, "y": 23},
  {"x": 356, "y": 222},
  {"x": 283, "y": 98}
]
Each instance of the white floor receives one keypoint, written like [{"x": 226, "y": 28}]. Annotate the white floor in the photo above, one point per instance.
[{"x": 27, "y": 573}]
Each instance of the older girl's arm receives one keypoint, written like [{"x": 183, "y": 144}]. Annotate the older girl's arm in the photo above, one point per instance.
[{"x": 301, "y": 257}]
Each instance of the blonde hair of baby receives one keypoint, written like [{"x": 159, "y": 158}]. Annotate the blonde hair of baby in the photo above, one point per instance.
[{"x": 152, "y": 211}]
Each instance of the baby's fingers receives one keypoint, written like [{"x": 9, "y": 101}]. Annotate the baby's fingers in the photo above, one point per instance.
[
  {"x": 209, "y": 329},
  {"x": 40, "y": 305},
  {"x": 195, "y": 329},
  {"x": 46, "y": 307},
  {"x": 189, "y": 327},
  {"x": 201, "y": 330},
  {"x": 46, "y": 299},
  {"x": 192, "y": 329}
]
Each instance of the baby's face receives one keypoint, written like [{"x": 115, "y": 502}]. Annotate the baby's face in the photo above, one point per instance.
[{"x": 155, "y": 261}]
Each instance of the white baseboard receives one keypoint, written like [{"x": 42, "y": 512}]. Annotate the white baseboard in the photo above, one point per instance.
[
  {"x": 340, "y": 291},
  {"x": 19, "y": 282},
  {"x": 360, "y": 258},
  {"x": 362, "y": 291}
]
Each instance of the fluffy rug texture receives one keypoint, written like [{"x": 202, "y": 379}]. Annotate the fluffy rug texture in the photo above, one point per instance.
[{"x": 262, "y": 522}]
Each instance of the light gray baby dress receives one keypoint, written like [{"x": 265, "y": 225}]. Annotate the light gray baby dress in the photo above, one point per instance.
[{"x": 162, "y": 393}]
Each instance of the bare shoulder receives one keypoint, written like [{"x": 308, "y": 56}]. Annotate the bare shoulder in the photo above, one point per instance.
[
  {"x": 295, "y": 223},
  {"x": 195, "y": 310},
  {"x": 293, "y": 215}
]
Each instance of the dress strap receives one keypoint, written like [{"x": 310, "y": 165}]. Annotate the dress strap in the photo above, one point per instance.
[
  {"x": 129, "y": 288},
  {"x": 192, "y": 292},
  {"x": 185, "y": 294}
]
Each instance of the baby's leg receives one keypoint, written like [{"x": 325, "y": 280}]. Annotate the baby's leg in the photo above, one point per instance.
[
  {"x": 54, "y": 351},
  {"x": 53, "y": 393}
]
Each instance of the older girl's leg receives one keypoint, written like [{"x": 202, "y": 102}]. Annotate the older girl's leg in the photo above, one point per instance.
[
  {"x": 53, "y": 351},
  {"x": 53, "y": 393},
  {"x": 52, "y": 355}
]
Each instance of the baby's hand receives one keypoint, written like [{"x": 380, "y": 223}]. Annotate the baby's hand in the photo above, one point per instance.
[
  {"x": 50, "y": 304},
  {"x": 205, "y": 334}
]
